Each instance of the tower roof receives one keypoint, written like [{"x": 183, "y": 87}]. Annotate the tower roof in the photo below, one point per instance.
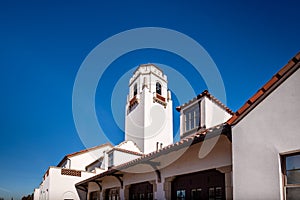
[{"x": 147, "y": 69}]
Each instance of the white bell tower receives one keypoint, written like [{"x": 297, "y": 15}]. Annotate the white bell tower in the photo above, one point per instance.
[{"x": 149, "y": 115}]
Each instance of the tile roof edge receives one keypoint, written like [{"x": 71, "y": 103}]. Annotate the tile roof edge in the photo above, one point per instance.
[
  {"x": 88, "y": 149},
  {"x": 266, "y": 89},
  {"x": 209, "y": 96},
  {"x": 82, "y": 151},
  {"x": 127, "y": 151}
]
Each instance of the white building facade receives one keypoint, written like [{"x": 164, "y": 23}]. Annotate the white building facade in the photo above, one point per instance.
[{"x": 59, "y": 182}]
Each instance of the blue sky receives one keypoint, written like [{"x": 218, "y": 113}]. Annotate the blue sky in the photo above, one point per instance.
[{"x": 43, "y": 44}]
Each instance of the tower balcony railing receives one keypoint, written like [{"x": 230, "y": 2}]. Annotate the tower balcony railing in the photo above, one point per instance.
[
  {"x": 157, "y": 98},
  {"x": 133, "y": 103}
]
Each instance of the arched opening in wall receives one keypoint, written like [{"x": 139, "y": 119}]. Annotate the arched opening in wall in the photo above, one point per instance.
[
  {"x": 112, "y": 193},
  {"x": 158, "y": 88},
  {"x": 95, "y": 195},
  {"x": 69, "y": 195},
  {"x": 135, "y": 89},
  {"x": 208, "y": 184},
  {"x": 141, "y": 191}
]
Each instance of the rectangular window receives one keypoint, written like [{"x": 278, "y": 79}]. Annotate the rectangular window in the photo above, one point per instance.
[
  {"x": 196, "y": 194},
  {"x": 180, "y": 194},
  {"x": 211, "y": 193},
  {"x": 291, "y": 173},
  {"x": 191, "y": 118},
  {"x": 110, "y": 159}
]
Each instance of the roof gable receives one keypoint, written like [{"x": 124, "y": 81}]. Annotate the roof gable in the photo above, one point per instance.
[
  {"x": 269, "y": 87},
  {"x": 129, "y": 147},
  {"x": 82, "y": 152},
  {"x": 206, "y": 94}
]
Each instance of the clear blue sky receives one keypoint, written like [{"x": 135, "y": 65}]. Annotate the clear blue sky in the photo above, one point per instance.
[{"x": 43, "y": 44}]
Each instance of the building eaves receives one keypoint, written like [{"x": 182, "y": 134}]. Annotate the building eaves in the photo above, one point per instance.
[
  {"x": 265, "y": 90},
  {"x": 205, "y": 93},
  {"x": 223, "y": 129}
]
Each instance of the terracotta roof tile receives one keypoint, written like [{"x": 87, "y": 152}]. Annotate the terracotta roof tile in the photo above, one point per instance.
[
  {"x": 258, "y": 94},
  {"x": 232, "y": 119},
  {"x": 270, "y": 83},
  {"x": 243, "y": 108},
  {"x": 264, "y": 91},
  {"x": 286, "y": 68}
]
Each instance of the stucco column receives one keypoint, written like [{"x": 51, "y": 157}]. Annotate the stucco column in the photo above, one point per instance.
[
  {"x": 168, "y": 187},
  {"x": 155, "y": 189},
  {"x": 126, "y": 192},
  {"x": 227, "y": 170},
  {"x": 101, "y": 195},
  {"x": 122, "y": 193},
  {"x": 159, "y": 194}
]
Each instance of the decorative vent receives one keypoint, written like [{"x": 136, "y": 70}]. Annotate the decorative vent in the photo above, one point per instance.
[{"x": 70, "y": 172}]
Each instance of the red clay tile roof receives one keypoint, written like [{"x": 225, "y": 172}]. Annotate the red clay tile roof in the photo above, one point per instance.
[
  {"x": 127, "y": 151},
  {"x": 187, "y": 141},
  {"x": 209, "y": 96},
  {"x": 263, "y": 92},
  {"x": 81, "y": 152}
]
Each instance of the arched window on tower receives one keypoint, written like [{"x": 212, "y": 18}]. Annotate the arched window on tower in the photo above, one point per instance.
[
  {"x": 135, "y": 89},
  {"x": 158, "y": 88}
]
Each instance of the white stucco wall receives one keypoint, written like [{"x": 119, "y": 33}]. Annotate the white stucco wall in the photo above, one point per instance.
[
  {"x": 122, "y": 157},
  {"x": 134, "y": 123},
  {"x": 258, "y": 140},
  {"x": 214, "y": 114},
  {"x": 80, "y": 161},
  {"x": 63, "y": 186},
  {"x": 36, "y": 194},
  {"x": 158, "y": 124}
]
